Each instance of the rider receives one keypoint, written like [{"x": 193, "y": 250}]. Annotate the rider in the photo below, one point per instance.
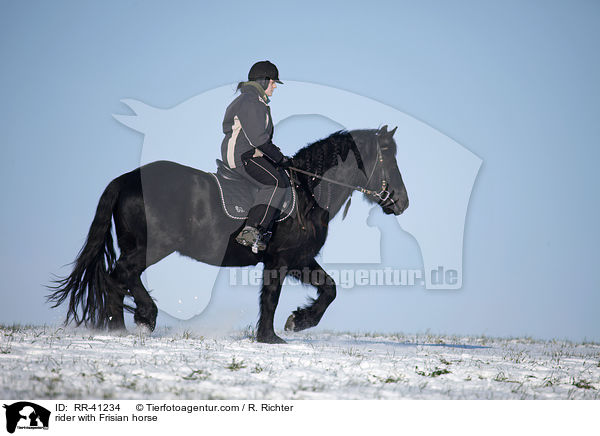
[{"x": 248, "y": 149}]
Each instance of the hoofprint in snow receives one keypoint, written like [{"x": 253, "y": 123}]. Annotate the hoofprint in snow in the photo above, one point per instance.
[{"x": 51, "y": 362}]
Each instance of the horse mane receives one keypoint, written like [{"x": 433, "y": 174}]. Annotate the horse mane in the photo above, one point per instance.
[{"x": 323, "y": 154}]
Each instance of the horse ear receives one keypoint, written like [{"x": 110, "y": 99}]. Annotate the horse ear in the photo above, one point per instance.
[
  {"x": 391, "y": 132},
  {"x": 383, "y": 130}
]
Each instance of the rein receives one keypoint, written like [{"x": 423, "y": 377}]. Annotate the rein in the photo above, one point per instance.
[{"x": 382, "y": 195}]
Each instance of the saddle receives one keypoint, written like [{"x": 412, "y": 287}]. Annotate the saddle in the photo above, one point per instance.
[{"x": 238, "y": 193}]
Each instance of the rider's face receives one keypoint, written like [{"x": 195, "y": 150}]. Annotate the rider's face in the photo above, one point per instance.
[{"x": 270, "y": 88}]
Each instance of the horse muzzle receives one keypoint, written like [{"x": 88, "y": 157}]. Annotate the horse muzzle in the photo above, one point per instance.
[{"x": 393, "y": 204}]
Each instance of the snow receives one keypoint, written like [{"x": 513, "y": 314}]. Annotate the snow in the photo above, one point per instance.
[{"x": 51, "y": 362}]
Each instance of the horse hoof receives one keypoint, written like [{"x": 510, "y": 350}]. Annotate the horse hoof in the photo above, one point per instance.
[
  {"x": 289, "y": 324},
  {"x": 145, "y": 326},
  {"x": 273, "y": 339},
  {"x": 143, "y": 330},
  {"x": 144, "y": 322}
]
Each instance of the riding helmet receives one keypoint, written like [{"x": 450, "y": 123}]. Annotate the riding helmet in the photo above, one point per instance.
[{"x": 264, "y": 70}]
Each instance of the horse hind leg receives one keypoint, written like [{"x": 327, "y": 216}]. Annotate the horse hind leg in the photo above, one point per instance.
[
  {"x": 310, "y": 315},
  {"x": 127, "y": 272},
  {"x": 115, "y": 306},
  {"x": 146, "y": 311},
  {"x": 118, "y": 280}
]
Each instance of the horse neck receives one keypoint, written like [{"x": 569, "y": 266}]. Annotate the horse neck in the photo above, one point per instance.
[
  {"x": 341, "y": 162},
  {"x": 331, "y": 197}
]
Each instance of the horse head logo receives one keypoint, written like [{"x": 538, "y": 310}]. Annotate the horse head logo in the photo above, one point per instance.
[{"x": 26, "y": 414}]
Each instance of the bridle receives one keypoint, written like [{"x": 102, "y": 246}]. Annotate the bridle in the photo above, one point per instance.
[{"x": 382, "y": 196}]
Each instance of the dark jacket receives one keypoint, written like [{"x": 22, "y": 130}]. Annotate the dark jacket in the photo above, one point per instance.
[{"x": 248, "y": 127}]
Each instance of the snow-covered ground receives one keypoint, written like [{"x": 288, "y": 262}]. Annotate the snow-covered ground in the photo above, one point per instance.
[{"x": 52, "y": 362}]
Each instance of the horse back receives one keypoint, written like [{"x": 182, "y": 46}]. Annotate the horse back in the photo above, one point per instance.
[{"x": 166, "y": 207}]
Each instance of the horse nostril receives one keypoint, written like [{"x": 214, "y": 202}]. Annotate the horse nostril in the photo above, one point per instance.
[{"x": 402, "y": 205}]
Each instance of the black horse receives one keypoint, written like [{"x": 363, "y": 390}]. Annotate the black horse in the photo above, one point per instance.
[{"x": 164, "y": 207}]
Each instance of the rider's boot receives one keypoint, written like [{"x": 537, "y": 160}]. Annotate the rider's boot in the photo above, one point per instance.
[{"x": 253, "y": 237}]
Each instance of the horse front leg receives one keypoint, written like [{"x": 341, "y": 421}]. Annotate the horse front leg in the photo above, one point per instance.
[
  {"x": 310, "y": 315},
  {"x": 273, "y": 278}
]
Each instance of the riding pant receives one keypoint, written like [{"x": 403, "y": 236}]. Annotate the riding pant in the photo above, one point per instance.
[{"x": 273, "y": 182}]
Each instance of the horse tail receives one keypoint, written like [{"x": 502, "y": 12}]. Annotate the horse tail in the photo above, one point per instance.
[{"x": 88, "y": 284}]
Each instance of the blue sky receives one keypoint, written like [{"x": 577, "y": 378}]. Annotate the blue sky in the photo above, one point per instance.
[{"x": 514, "y": 82}]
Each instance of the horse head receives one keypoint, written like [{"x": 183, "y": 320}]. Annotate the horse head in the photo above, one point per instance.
[{"x": 383, "y": 176}]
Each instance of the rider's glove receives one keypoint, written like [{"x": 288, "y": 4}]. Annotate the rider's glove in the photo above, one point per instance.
[{"x": 272, "y": 152}]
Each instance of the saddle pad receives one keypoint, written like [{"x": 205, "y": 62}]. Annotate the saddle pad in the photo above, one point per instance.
[{"x": 237, "y": 197}]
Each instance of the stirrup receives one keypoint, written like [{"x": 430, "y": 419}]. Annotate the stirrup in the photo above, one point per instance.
[{"x": 250, "y": 236}]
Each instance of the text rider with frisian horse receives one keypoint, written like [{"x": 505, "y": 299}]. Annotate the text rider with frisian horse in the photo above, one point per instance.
[{"x": 248, "y": 149}]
